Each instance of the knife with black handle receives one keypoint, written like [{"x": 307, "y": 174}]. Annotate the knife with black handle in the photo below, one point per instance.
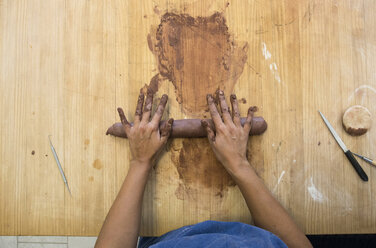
[
  {"x": 347, "y": 152},
  {"x": 356, "y": 165}
]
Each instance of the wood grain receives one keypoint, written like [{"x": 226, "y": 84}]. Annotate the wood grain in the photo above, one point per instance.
[{"x": 66, "y": 65}]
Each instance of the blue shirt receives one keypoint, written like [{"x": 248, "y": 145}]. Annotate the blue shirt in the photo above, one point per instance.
[{"x": 214, "y": 234}]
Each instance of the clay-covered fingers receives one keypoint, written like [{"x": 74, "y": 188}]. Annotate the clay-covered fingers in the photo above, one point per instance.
[
  {"x": 124, "y": 121},
  {"x": 166, "y": 129},
  {"x": 147, "y": 107},
  {"x": 140, "y": 103},
  {"x": 209, "y": 130},
  {"x": 248, "y": 121},
  {"x": 224, "y": 107},
  {"x": 159, "y": 112},
  {"x": 235, "y": 110},
  {"x": 213, "y": 111}
]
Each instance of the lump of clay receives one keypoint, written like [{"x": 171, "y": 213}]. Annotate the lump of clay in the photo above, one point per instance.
[
  {"x": 192, "y": 128},
  {"x": 357, "y": 120}
]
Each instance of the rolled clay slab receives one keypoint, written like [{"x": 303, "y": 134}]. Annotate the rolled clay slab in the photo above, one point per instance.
[
  {"x": 357, "y": 120},
  {"x": 191, "y": 128}
]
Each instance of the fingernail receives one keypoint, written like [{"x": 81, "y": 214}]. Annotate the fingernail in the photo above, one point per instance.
[
  {"x": 171, "y": 121},
  {"x": 252, "y": 109},
  {"x": 209, "y": 96},
  {"x": 164, "y": 99},
  {"x": 233, "y": 96},
  {"x": 221, "y": 92}
]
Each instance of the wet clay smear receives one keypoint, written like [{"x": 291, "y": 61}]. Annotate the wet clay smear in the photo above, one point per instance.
[
  {"x": 198, "y": 55},
  {"x": 199, "y": 171}
]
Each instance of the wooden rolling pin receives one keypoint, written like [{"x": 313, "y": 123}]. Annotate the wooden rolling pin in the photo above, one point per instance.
[{"x": 191, "y": 128}]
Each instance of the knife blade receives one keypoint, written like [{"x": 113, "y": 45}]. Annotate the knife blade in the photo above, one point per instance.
[{"x": 347, "y": 152}]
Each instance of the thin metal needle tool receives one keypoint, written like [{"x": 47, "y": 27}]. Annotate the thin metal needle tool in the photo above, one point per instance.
[
  {"x": 368, "y": 160},
  {"x": 59, "y": 165}
]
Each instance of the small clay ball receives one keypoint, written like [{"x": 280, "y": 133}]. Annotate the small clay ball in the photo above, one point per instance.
[{"x": 357, "y": 120}]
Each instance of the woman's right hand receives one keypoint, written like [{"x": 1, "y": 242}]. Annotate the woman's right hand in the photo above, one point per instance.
[
  {"x": 146, "y": 139},
  {"x": 229, "y": 141}
]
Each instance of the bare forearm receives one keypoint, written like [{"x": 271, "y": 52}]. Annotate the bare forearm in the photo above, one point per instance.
[
  {"x": 122, "y": 224},
  {"x": 266, "y": 211},
  {"x": 146, "y": 140}
]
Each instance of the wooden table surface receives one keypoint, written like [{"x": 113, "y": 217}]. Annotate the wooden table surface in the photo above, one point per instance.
[{"x": 66, "y": 65}]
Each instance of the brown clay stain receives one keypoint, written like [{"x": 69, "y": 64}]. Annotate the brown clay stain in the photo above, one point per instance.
[
  {"x": 154, "y": 83},
  {"x": 32, "y": 152},
  {"x": 186, "y": 192},
  {"x": 86, "y": 143},
  {"x": 156, "y": 10},
  {"x": 97, "y": 164},
  {"x": 199, "y": 169},
  {"x": 198, "y": 55},
  {"x": 91, "y": 178}
]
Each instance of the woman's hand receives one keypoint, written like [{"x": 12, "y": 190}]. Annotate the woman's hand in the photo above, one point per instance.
[
  {"x": 145, "y": 137},
  {"x": 229, "y": 141}
]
